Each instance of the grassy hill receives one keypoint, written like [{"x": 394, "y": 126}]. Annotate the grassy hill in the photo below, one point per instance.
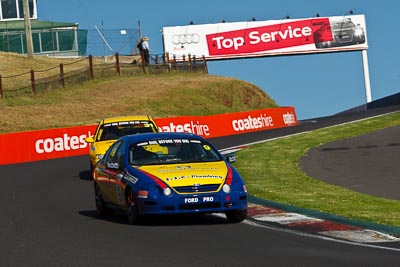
[{"x": 159, "y": 95}]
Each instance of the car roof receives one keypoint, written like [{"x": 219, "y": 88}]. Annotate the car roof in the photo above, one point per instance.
[
  {"x": 127, "y": 118},
  {"x": 147, "y": 136}
]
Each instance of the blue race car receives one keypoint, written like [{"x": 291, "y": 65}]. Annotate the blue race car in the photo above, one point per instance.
[{"x": 168, "y": 173}]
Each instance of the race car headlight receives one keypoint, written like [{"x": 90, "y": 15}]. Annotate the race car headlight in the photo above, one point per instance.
[
  {"x": 226, "y": 188},
  {"x": 167, "y": 191}
]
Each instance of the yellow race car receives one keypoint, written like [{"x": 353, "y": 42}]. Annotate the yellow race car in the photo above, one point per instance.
[{"x": 110, "y": 129}]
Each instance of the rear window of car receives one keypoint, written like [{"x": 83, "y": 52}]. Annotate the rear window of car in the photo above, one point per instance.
[{"x": 115, "y": 130}]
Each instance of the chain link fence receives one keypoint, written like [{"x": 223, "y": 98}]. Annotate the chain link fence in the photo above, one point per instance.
[{"x": 104, "y": 42}]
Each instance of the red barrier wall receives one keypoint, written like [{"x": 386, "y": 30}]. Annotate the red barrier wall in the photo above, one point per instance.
[
  {"x": 67, "y": 142},
  {"x": 232, "y": 123},
  {"x": 44, "y": 144}
]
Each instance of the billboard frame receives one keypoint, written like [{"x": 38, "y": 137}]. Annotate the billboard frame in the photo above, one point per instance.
[{"x": 247, "y": 39}]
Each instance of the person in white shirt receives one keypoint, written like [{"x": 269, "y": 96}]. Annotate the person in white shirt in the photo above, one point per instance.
[{"x": 146, "y": 49}]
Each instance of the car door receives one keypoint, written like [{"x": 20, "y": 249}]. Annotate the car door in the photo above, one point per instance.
[
  {"x": 115, "y": 171},
  {"x": 107, "y": 173}
]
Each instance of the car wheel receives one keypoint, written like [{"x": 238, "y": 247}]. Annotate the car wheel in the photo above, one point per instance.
[
  {"x": 91, "y": 170},
  {"x": 101, "y": 207},
  {"x": 133, "y": 212},
  {"x": 235, "y": 216}
]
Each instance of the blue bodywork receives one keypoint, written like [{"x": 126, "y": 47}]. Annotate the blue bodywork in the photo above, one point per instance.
[{"x": 157, "y": 193}]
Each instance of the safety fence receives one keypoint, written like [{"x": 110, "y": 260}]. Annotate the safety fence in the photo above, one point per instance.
[{"x": 90, "y": 68}]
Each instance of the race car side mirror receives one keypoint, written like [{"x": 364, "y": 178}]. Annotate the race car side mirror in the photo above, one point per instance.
[
  {"x": 231, "y": 158},
  {"x": 89, "y": 139}
]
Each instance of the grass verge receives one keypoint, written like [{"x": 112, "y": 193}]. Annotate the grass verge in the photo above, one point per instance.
[{"x": 272, "y": 171}]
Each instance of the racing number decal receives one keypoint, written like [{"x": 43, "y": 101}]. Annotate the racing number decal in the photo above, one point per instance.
[{"x": 207, "y": 147}]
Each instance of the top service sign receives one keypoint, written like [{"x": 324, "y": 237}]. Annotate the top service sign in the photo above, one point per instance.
[{"x": 266, "y": 38}]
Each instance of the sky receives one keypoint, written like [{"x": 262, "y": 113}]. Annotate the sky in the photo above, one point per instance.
[{"x": 315, "y": 85}]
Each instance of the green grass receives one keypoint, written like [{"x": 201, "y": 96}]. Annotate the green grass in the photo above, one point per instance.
[
  {"x": 162, "y": 95},
  {"x": 272, "y": 171}
]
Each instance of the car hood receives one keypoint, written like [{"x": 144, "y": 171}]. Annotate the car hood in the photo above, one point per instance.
[{"x": 189, "y": 173}]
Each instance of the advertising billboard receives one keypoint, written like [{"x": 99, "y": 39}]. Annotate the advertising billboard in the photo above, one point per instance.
[{"x": 266, "y": 38}]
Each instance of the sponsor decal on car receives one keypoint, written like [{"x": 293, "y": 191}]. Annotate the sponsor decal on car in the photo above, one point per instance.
[
  {"x": 193, "y": 176},
  {"x": 199, "y": 200},
  {"x": 183, "y": 174},
  {"x": 130, "y": 178}
]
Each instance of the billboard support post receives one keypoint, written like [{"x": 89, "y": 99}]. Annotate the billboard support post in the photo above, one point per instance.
[{"x": 366, "y": 76}]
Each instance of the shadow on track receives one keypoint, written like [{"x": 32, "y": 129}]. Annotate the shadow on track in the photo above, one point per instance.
[
  {"x": 85, "y": 175},
  {"x": 162, "y": 220}
]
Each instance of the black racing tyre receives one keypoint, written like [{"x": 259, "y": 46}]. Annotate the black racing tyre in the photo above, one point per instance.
[
  {"x": 236, "y": 216},
  {"x": 91, "y": 170},
  {"x": 133, "y": 211},
  {"x": 101, "y": 207}
]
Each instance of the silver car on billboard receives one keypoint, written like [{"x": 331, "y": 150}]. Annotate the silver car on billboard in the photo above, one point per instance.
[{"x": 337, "y": 33}]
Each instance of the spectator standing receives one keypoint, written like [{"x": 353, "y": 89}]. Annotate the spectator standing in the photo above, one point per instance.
[
  {"x": 140, "y": 45},
  {"x": 146, "y": 49}
]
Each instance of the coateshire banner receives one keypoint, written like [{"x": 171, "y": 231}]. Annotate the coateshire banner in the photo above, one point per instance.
[{"x": 66, "y": 142}]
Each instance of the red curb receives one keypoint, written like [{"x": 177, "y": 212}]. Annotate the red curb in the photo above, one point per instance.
[
  {"x": 261, "y": 210},
  {"x": 321, "y": 226}
]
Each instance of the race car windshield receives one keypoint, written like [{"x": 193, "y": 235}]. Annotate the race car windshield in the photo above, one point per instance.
[
  {"x": 113, "y": 131},
  {"x": 171, "y": 151}
]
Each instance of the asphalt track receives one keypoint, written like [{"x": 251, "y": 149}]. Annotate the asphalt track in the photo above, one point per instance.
[
  {"x": 48, "y": 218},
  {"x": 368, "y": 164}
]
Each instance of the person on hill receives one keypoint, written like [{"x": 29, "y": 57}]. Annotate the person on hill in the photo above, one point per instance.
[
  {"x": 146, "y": 49},
  {"x": 139, "y": 45}
]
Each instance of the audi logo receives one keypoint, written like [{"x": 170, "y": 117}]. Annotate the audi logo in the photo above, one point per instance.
[{"x": 192, "y": 38}]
